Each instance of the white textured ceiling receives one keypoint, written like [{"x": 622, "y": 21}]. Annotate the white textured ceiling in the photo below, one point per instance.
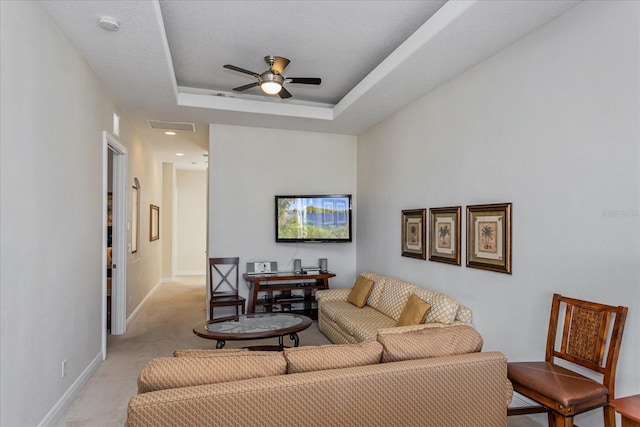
[{"x": 165, "y": 62}]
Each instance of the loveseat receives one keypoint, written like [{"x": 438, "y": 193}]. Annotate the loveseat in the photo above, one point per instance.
[
  {"x": 343, "y": 322},
  {"x": 434, "y": 377}
]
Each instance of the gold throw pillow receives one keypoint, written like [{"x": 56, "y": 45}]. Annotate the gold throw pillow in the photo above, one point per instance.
[
  {"x": 360, "y": 291},
  {"x": 414, "y": 312}
]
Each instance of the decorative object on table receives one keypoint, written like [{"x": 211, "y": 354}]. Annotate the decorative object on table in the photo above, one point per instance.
[
  {"x": 262, "y": 267},
  {"x": 414, "y": 233},
  {"x": 324, "y": 267},
  {"x": 154, "y": 227},
  {"x": 489, "y": 237},
  {"x": 444, "y": 235}
]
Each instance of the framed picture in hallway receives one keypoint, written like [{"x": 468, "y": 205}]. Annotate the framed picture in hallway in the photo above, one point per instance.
[
  {"x": 444, "y": 235},
  {"x": 414, "y": 233},
  {"x": 489, "y": 237},
  {"x": 154, "y": 228}
]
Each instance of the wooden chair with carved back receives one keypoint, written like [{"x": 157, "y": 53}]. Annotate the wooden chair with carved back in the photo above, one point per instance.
[
  {"x": 589, "y": 339},
  {"x": 223, "y": 284}
]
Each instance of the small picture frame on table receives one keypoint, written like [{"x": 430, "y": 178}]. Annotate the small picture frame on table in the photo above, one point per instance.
[
  {"x": 489, "y": 237},
  {"x": 414, "y": 233},
  {"x": 444, "y": 235}
]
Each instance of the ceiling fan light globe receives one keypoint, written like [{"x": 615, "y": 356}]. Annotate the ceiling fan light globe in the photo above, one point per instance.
[{"x": 270, "y": 88}]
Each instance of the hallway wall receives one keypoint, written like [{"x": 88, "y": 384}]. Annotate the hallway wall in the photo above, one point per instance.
[{"x": 53, "y": 113}]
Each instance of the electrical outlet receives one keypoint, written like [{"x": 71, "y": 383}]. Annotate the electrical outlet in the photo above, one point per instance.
[
  {"x": 129, "y": 299},
  {"x": 64, "y": 368}
]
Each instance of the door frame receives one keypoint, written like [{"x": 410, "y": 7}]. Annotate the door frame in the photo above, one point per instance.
[{"x": 119, "y": 238}]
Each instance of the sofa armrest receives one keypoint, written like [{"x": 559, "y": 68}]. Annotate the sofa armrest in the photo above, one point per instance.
[{"x": 340, "y": 294}]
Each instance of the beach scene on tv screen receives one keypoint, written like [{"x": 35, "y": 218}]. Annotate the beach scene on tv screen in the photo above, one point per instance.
[{"x": 313, "y": 218}]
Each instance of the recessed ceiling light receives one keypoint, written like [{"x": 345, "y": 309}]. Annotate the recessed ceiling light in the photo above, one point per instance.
[
  {"x": 179, "y": 154},
  {"x": 108, "y": 23},
  {"x": 169, "y": 133}
]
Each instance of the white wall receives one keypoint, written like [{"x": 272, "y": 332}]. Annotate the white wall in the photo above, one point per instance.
[
  {"x": 166, "y": 219},
  {"x": 53, "y": 113},
  {"x": 249, "y": 166},
  {"x": 143, "y": 268},
  {"x": 551, "y": 125},
  {"x": 191, "y": 222}
]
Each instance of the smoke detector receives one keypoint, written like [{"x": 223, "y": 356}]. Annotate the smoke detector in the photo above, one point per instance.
[{"x": 108, "y": 23}]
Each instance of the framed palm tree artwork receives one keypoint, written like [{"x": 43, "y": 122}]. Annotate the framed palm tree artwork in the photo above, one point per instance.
[
  {"x": 489, "y": 237},
  {"x": 444, "y": 235},
  {"x": 414, "y": 233}
]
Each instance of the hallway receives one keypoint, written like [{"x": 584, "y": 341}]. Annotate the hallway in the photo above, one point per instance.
[{"x": 164, "y": 324}]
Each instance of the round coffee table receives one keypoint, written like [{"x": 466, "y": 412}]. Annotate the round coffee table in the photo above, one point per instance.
[{"x": 255, "y": 326}]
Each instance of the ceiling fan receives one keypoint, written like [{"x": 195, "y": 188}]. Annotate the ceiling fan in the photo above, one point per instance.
[{"x": 272, "y": 81}]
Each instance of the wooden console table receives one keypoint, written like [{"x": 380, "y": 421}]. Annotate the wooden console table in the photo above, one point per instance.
[
  {"x": 285, "y": 292},
  {"x": 629, "y": 409}
]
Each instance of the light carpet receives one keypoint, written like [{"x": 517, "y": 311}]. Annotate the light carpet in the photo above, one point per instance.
[{"x": 164, "y": 323}]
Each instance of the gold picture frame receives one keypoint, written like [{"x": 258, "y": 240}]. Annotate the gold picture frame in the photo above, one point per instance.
[
  {"x": 489, "y": 237},
  {"x": 414, "y": 233},
  {"x": 444, "y": 235},
  {"x": 154, "y": 223}
]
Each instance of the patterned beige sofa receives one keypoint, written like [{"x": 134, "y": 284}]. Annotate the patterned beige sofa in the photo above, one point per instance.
[
  {"x": 343, "y": 322},
  {"x": 435, "y": 377}
]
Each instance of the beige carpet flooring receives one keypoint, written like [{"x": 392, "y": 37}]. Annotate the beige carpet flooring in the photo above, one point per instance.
[{"x": 164, "y": 324}]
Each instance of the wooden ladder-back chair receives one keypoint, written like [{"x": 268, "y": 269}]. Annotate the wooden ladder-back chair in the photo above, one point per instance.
[
  {"x": 223, "y": 284},
  {"x": 587, "y": 333}
]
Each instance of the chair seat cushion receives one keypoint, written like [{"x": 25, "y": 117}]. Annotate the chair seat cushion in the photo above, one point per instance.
[{"x": 557, "y": 384}]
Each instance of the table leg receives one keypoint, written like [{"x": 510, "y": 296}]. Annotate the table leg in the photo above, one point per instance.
[
  {"x": 220, "y": 344},
  {"x": 296, "y": 340}
]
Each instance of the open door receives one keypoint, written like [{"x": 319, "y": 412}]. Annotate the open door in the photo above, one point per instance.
[{"x": 118, "y": 237}]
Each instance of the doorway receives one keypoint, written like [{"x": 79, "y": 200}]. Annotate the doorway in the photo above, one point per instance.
[{"x": 114, "y": 182}]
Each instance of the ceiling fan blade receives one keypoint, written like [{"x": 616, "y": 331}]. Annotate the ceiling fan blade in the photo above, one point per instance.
[
  {"x": 305, "y": 80},
  {"x": 284, "y": 94},
  {"x": 279, "y": 64},
  {"x": 242, "y": 70},
  {"x": 245, "y": 87}
]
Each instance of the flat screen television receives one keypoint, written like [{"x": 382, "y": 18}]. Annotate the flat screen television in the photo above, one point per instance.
[{"x": 316, "y": 218}]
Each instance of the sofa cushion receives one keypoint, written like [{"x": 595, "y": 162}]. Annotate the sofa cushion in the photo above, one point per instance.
[
  {"x": 207, "y": 352},
  {"x": 174, "y": 372},
  {"x": 443, "y": 308},
  {"x": 430, "y": 342},
  {"x": 360, "y": 291},
  {"x": 394, "y": 297},
  {"x": 334, "y": 309},
  {"x": 414, "y": 311},
  {"x": 317, "y": 358}
]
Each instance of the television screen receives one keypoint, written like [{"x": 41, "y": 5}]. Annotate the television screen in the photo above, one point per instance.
[{"x": 325, "y": 218}]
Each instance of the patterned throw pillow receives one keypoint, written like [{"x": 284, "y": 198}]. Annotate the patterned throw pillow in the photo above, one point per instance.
[
  {"x": 414, "y": 312},
  {"x": 430, "y": 342},
  {"x": 332, "y": 356},
  {"x": 443, "y": 307},
  {"x": 360, "y": 292},
  {"x": 395, "y": 296}
]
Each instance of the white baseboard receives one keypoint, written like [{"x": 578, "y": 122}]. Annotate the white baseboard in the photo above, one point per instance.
[
  {"x": 191, "y": 273},
  {"x": 62, "y": 405},
  {"x": 135, "y": 312}
]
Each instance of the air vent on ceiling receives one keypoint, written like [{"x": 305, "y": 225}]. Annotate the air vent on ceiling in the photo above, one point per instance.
[{"x": 175, "y": 126}]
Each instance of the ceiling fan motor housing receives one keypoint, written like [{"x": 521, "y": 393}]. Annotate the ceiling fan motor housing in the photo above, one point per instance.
[{"x": 268, "y": 76}]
